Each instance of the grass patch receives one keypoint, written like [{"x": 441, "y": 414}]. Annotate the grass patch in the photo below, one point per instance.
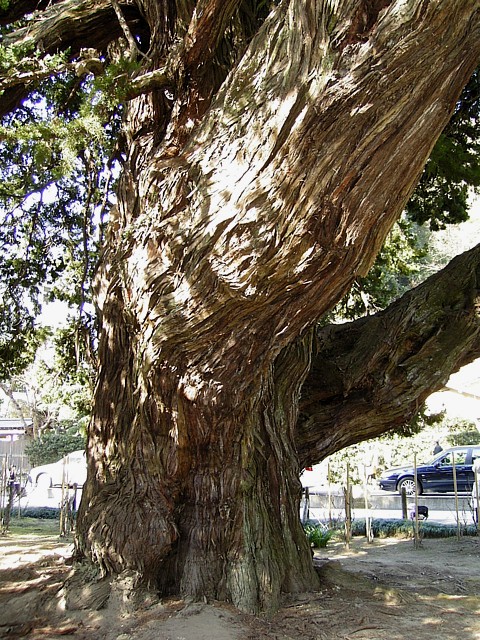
[{"x": 34, "y": 526}]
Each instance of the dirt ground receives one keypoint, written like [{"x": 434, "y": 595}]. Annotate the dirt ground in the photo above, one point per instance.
[{"x": 386, "y": 590}]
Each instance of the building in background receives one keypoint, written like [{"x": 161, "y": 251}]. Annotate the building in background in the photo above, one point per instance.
[{"x": 13, "y": 438}]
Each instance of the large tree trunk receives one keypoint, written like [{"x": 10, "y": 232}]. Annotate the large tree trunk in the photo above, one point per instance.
[
  {"x": 237, "y": 227},
  {"x": 208, "y": 503}
]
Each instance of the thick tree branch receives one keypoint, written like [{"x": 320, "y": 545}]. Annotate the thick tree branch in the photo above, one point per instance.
[
  {"x": 134, "y": 51},
  {"x": 27, "y": 79},
  {"x": 69, "y": 25},
  {"x": 18, "y": 9},
  {"x": 149, "y": 82},
  {"x": 374, "y": 374}
]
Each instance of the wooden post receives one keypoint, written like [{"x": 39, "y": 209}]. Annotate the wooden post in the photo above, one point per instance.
[
  {"x": 3, "y": 493},
  {"x": 330, "y": 520},
  {"x": 455, "y": 491},
  {"x": 63, "y": 515},
  {"x": 404, "y": 504},
  {"x": 10, "y": 489},
  {"x": 477, "y": 497},
  {"x": 348, "y": 510},
  {"x": 368, "y": 520},
  {"x": 417, "y": 533},
  {"x": 19, "y": 485},
  {"x": 72, "y": 504},
  {"x": 306, "y": 506}
]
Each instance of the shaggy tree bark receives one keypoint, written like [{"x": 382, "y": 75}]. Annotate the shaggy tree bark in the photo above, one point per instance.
[
  {"x": 247, "y": 206},
  {"x": 233, "y": 236}
]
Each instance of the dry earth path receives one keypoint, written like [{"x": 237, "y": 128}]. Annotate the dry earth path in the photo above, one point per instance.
[{"x": 386, "y": 590}]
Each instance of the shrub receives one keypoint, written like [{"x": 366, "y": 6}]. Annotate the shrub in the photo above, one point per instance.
[
  {"x": 404, "y": 528},
  {"x": 41, "y": 513},
  {"x": 318, "y": 535}
]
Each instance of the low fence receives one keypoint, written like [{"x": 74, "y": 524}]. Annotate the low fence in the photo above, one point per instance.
[{"x": 388, "y": 501}]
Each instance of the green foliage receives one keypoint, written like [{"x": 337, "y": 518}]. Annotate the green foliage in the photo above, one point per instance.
[
  {"x": 382, "y": 528},
  {"x": 397, "y": 265},
  {"x": 53, "y": 446},
  {"x": 318, "y": 536},
  {"x": 58, "y": 164},
  {"x": 421, "y": 422},
  {"x": 19, "y": 340},
  {"x": 15, "y": 58},
  {"x": 66, "y": 379},
  {"x": 441, "y": 196},
  {"x": 109, "y": 89},
  {"x": 58, "y": 383},
  {"x": 463, "y": 433}
]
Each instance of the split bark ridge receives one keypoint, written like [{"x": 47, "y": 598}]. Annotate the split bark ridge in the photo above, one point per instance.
[{"x": 257, "y": 185}]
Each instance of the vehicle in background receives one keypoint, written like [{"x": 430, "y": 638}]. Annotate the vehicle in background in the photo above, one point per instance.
[
  {"x": 69, "y": 470},
  {"x": 437, "y": 475}
]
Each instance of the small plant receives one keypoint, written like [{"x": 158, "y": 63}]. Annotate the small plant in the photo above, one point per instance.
[{"x": 318, "y": 535}]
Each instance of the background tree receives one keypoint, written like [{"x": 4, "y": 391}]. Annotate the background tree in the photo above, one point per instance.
[
  {"x": 54, "y": 445},
  {"x": 54, "y": 391},
  {"x": 265, "y": 153}
]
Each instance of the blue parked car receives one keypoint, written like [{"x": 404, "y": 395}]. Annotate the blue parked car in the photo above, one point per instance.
[{"x": 437, "y": 475}]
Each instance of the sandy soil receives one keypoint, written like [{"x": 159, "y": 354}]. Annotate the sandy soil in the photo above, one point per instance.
[{"x": 386, "y": 590}]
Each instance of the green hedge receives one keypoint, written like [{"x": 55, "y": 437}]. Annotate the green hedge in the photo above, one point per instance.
[
  {"x": 391, "y": 528},
  {"x": 383, "y": 528},
  {"x": 42, "y": 513}
]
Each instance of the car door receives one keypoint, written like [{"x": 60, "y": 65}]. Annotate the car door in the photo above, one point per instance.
[
  {"x": 440, "y": 474},
  {"x": 463, "y": 470},
  {"x": 440, "y": 478}
]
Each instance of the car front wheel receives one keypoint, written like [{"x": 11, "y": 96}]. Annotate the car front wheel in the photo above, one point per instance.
[{"x": 409, "y": 485}]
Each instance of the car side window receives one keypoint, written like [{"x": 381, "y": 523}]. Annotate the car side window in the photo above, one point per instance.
[{"x": 460, "y": 458}]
